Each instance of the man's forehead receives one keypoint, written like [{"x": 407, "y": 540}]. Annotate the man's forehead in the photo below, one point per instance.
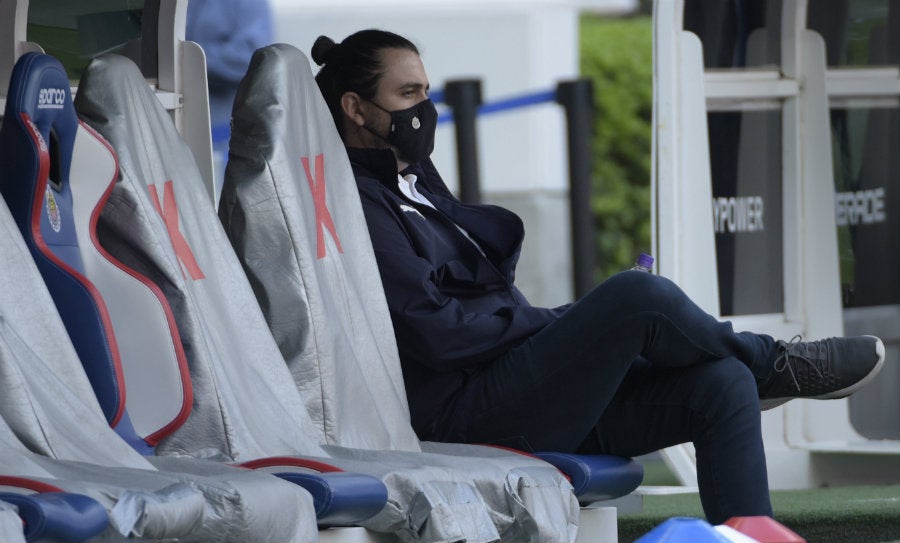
[{"x": 403, "y": 68}]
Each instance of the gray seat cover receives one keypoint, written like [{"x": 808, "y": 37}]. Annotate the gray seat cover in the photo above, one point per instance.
[
  {"x": 52, "y": 428},
  {"x": 141, "y": 503},
  {"x": 242, "y": 410},
  {"x": 313, "y": 269},
  {"x": 246, "y": 405},
  {"x": 320, "y": 310},
  {"x": 10, "y": 524}
]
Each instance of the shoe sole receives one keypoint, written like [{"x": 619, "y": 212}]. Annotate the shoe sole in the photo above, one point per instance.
[{"x": 772, "y": 403}]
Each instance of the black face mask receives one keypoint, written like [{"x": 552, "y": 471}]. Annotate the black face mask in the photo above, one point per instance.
[{"x": 412, "y": 131}]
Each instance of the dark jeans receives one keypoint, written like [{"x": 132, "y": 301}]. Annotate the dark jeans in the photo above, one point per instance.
[{"x": 633, "y": 367}]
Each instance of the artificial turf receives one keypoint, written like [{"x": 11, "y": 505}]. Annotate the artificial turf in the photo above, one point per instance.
[{"x": 858, "y": 514}]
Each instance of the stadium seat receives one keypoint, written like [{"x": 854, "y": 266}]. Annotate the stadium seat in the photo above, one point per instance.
[
  {"x": 291, "y": 209},
  {"x": 46, "y": 401},
  {"x": 138, "y": 502},
  {"x": 143, "y": 319},
  {"x": 159, "y": 220},
  {"x": 95, "y": 291}
]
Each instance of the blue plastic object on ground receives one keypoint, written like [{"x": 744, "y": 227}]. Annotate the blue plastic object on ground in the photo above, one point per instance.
[{"x": 683, "y": 530}]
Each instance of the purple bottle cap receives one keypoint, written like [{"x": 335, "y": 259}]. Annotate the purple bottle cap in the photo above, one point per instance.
[{"x": 645, "y": 261}]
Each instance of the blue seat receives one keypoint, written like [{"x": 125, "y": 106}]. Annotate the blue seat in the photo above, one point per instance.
[{"x": 61, "y": 174}]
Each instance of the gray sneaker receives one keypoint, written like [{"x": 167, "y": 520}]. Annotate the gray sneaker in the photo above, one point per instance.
[{"x": 822, "y": 370}]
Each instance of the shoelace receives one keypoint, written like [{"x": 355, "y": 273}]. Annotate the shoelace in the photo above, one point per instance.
[{"x": 784, "y": 360}]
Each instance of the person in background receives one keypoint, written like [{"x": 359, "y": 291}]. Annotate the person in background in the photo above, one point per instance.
[
  {"x": 229, "y": 31},
  {"x": 632, "y": 367}
]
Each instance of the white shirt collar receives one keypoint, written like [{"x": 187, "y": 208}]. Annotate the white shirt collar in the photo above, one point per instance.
[{"x": 407, "y": 186}]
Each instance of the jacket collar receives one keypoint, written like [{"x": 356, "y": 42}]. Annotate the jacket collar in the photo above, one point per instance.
[{"x": 380, "y": 164}]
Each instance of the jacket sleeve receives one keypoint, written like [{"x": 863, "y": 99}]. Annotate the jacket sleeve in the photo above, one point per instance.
[{"x": 431, "y": 327}]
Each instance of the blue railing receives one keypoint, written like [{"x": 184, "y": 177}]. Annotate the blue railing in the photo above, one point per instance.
[{"x": 499, "y": 106}]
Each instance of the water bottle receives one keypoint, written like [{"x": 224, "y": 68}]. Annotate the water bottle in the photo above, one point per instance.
[{"x": 644, "y": 263}]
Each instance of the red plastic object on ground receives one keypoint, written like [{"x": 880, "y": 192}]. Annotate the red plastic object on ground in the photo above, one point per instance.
[{"x": 764, "y": 529}]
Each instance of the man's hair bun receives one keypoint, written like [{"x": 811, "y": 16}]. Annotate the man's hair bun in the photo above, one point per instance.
[{"x": 323, "y": 49}]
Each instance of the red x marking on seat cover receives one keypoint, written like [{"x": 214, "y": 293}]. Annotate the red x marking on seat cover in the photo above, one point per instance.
[
  {"x": 169, "y": 212},
  {"x": 323, "y": 216}
]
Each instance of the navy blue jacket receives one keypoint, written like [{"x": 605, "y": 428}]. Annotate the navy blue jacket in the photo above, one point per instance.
[{"x": 454, "y": 307}]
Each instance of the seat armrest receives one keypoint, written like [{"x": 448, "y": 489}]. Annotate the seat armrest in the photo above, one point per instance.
[
  {"x": 59, "y": 516},
  {"x": 597, "y": 477},
  {"x": 341, "y": 499}
]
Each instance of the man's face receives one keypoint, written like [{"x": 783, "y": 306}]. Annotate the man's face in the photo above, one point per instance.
[
  {"x": 402, "y": 85},
  {"x": 404, "y": 82}
]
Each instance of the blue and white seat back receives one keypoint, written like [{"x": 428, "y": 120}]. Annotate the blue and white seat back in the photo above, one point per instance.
[
  {"x": 40, "y": 368},
  {"x": 99, "y": 298},
  {"x": 38, "y": 139},
  {"x": 158, "y": 220},
  {"x": 291, "y": 208}
]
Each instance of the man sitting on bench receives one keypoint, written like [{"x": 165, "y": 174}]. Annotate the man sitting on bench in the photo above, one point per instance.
[{"x": 633, "y": 367}]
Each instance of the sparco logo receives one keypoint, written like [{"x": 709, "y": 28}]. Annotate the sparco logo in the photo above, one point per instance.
[{"x": 51, "y": 98}]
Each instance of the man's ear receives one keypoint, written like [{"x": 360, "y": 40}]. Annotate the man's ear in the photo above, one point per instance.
[{"x": 351, "y": 103}]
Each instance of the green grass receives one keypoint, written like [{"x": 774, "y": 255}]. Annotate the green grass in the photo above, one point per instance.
[{"x": 858, "y": 514}]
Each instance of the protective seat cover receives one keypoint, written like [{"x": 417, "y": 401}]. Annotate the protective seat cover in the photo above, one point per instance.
[
  {"x": 292, "y": 211},
  {"x": 45, "y": 397},
  {"x": 50, "y": 408},
  {"x": 155, "y": 223},
  {"x": 246, "y": 405},
  {"x": 11, "y": 529},
  {"x": 138, "y": 502}
]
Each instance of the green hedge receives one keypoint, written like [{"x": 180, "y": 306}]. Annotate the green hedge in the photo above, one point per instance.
[{"x": 617, "y": 55}]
